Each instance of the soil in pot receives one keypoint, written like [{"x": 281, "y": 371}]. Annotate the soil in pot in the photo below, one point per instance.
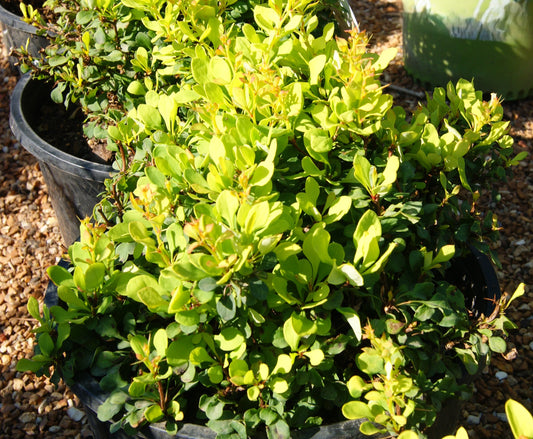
[
  {"x": 63, "y": 128},
  {"x": 13, "y": 6}
]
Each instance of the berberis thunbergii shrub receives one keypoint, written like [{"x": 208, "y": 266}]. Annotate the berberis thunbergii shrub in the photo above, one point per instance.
[{"x": 280, "y": 260}]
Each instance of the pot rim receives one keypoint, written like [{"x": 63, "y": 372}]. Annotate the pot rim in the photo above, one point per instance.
[{"x": 41, "y": 149}]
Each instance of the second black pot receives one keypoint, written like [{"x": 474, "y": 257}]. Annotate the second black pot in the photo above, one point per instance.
[
  {"x": 73, "y": 183},
  {"x": 17, "y": 33}
]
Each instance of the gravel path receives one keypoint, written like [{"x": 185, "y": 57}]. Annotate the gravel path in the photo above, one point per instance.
[{"x": 30, "y": 242}]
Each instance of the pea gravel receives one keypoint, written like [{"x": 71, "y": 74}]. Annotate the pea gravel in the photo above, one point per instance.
[{"x": 31, "y": 406}]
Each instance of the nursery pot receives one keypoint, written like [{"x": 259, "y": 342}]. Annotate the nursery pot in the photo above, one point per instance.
[
  {"x": 489, "y": 41},
  {"x": 473, "y": 272},
  {"x": 17, "y": 33},
  {"x": 90, "y": 394},
  {"x": 73, "y": 183}
]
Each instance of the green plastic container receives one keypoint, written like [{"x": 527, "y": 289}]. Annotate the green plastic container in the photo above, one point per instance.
[{"x": 489, "y": 41}]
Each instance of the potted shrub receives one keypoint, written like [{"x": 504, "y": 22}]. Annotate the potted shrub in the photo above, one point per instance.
[
  {"x": 284, "y": 251},
  {"x": 96, "y": 54},
  {"x": 485, "y": 40},
  {"x": 16, "y": 32}
]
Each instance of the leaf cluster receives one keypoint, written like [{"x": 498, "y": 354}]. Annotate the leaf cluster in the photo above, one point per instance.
[{"x": 275, "y": 253}]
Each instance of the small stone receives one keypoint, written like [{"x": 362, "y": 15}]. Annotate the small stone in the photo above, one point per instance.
[
  {"x": 27, "y": 417},
  {"x": 54, "y": 429},
  {"x": 18, "y": 384},
  {"x": 501, "y": 375},
  {"x": 472, "y": 419},
  {"x": 512, "y": 380},
  {"x": 501, "y": 416},
  {"x": 75, "y": 414}
]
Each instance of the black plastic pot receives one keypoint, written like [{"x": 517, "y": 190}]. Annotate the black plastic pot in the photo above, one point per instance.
[
  {"x": 474, "y": 272},
  {"x": 74, "y": 184},
  {"x": 17, "y": 33},
  {"x": 90, "y": 394}
]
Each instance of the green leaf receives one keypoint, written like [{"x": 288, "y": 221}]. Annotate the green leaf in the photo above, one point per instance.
[
  {"x": 152, "y": 299},
  {"x": 279, "y": 385},
  {"x": 46, "y": 344},
  {"x": 266, "y": 17},
  {"x": 140, "y": 234},
  {"x": 366, "y": 237},
  {"x": 154, "y": 413},
  {"x": 94, "y": 276},
  {"x": 149, "y": 116},
  {"x": 520, "y": 420},
  {"x": 262, "y": 174},
  {"x": 71, "y": 298},
  {"x": 229, "y": 339},
  {"x": 220, "y": 71},
  {"x": 346, "y": 272},
  {"x": 253, "y": 393},
  {"x": 237, "y": 370},
  {"x": 136, "y": 88},
  {"x": 58, "y": 274},
  {"x": 189, "y": 317},
  {"x": 180, "y": 297},
  {"x": 340, "y": 207},
  {"x": 290, "y": 335},
  {"x": 520, "y": 290},
  {"x": 179, "y": 350},
  {"x": 362, "y": 173},
  {"x": 353, "y": 320},
  {"x": 444, "y": 254},
  {"x": 215, "y": 374},
  {"x": 26, "y": 365},
  {"x": 461, "y": 434},
  {"x": 316, "y": 356},
  {"x": 318, "y": 143},
  {"x": 368, "y": 428},
  {"x": 497, "y": 344},
  {"x": 356, "y": 386},
  {"x": 112, "y": 405},
  {"x": 227, "y": 308},
  {"x": 168, "y": 108},
  {"x": 33, "y": 308},
  {"x": 279, "y": 430},
  {"x": 160, "y": 342},
  {"x": 316, "y": 65},
  {"x": 283, "y": 365},
  {"x": 199, "y": 356},
  {"x": 356, "y": 410},
  {"x": 370, "y": 363},
  {"x": 227, "y": 205}
]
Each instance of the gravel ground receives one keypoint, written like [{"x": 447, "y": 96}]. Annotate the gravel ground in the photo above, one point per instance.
[{"x": 30, "y": 241}]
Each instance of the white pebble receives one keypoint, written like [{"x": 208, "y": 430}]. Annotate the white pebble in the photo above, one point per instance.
[
  {"x": 531, "y": 345},
  {"x": 75, "y": 414},
  {"x": 520, "y": 242},
  {"x": 472, "y": 419},
  {"x": 501, "y": 375},
  {"x": 54, "y": 429}
]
